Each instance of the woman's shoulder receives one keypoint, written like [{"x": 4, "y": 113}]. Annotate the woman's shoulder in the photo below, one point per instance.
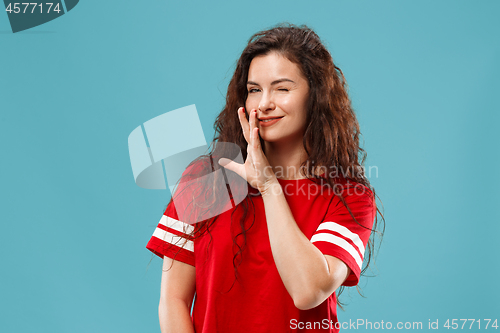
[
  {"x": 350, "y": 189},
  {"x": 198, "y": 167}
]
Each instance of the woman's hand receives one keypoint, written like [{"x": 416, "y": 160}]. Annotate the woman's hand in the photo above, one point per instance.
[{"x": 256, "y": 170}]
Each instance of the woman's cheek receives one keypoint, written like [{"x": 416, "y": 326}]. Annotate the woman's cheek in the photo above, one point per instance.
[
  {"x": 250, "y": 103},
  {"x": 286, "y": 102}
]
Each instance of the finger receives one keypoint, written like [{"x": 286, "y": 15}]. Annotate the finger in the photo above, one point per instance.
[
  {"x": 233, "y": 166},
  {"x": 250, "y": 128},
  {"x": 255, "y": 130},
  {"x": 256, "y": 141},
  {"x": 255, "y": 152},
  {"x": 253, "y": 125},
  {"x": 244, "y": 123}
]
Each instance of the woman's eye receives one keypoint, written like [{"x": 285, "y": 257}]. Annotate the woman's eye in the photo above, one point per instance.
[{"x": 257, "y": 90}]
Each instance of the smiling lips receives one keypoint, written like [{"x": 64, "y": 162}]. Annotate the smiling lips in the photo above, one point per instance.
[{"x": 269, "y": 121}]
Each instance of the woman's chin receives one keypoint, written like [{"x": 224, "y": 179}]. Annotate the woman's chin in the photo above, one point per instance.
[
  {"x": 273, "y": 139},
  {"x": 269, "y": 138}
]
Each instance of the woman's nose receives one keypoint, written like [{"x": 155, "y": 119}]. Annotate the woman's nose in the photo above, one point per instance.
[{"x": 266, "y": 103}]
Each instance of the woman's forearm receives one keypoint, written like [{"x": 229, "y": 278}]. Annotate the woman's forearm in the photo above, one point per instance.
[
  {"x": 174, "y": 316},
  {"x": 302, "y": 267}
]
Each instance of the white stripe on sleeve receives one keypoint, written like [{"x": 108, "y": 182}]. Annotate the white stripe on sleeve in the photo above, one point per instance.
[
  {"x": 173, "y": 239},
  {"x": 175, "y": 224},
  {"x": 346, "y": 233},
  {"x": 339, "y": 241}
]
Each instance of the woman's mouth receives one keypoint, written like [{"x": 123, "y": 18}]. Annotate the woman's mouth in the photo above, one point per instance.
[{"x": 269, "y": 122}]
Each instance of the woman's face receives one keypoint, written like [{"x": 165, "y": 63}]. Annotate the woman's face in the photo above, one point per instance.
[{"x": 278, "y": 89}]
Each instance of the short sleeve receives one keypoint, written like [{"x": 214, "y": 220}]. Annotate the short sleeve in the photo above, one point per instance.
[
  {"x": 172, "y": 236},
  {"x": 340, "y": 236}
]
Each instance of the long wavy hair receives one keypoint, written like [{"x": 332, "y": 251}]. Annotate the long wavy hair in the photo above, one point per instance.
[{"x": 331, "y": 138}]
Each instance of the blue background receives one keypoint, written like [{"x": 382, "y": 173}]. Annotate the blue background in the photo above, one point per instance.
[{"x": 423, "y": 78}]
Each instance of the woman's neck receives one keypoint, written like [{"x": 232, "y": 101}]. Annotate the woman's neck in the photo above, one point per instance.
[{"x": 285, "y": 159}]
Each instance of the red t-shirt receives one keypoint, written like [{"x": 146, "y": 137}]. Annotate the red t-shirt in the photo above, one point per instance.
[{"x": 258, "y": 300}]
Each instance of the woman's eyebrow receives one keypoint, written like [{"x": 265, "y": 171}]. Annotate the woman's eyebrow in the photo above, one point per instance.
[{"x": 274, "y": 82}]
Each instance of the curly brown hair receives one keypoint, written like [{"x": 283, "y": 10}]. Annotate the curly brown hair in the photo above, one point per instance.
[{"x": 331, "y": 138}]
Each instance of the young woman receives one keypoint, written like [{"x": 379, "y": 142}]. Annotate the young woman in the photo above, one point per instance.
[{"x": 273, "y": 262}]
